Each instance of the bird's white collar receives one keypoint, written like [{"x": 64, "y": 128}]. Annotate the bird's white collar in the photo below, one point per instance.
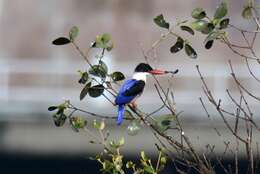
[{"x": 140, "y": 76}]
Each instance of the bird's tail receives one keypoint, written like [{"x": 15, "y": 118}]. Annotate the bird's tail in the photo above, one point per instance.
[{"x": 121, "y": 111}]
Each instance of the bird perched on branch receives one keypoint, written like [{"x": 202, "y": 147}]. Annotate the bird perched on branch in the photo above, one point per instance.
[{"x": 133, "y": 88}]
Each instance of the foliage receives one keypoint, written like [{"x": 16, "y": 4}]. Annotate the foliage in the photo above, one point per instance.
[{"x": 98, "y": 80}]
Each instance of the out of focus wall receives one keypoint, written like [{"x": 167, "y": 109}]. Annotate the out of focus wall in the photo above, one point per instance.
[{"x": 35, "y": 74}]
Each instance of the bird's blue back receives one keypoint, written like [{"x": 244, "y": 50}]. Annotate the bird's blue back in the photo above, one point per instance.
[{"x": 122, "y": 99}]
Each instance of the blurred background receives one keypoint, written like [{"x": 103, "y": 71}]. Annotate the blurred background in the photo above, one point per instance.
[{"x": 35, "y": 74}]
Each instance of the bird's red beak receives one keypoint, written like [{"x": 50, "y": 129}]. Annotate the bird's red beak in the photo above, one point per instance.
[{"x": 157, "y": 72}]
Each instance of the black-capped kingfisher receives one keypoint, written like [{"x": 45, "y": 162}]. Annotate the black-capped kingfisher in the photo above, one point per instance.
[{"x": 133, "y": 88}]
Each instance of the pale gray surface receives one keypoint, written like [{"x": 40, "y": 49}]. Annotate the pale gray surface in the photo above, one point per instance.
[{"x": 35, "y": 74}]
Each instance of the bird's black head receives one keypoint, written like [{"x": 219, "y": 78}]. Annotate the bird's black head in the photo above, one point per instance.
[{"x": 143, "y": 67}]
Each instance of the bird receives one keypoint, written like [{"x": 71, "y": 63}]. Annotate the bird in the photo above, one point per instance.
[{"x": 133, "y": 88}]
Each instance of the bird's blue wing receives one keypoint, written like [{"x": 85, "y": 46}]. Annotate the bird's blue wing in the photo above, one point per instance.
[
  {"x": 135, "y": 89},
  {"x": 129, "y": 90}
]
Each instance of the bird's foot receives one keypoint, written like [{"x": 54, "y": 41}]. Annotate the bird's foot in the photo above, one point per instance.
[{"x": 133, "y": 105}]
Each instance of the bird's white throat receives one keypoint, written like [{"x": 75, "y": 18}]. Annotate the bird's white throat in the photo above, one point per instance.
[{"x": 140, "y": 76}]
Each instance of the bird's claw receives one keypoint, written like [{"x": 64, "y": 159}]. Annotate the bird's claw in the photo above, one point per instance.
[{"x": 133, "y": 105}]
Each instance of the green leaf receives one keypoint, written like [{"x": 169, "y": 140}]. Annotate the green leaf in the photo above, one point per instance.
[
  {"x": 247, "y": 13},
  {"x": 209, "y": 44},
  {"x": 99, "y": 43},
  {"x": 177, "y": 46},
  {"x": 190, "y": 51},
  {"x": 61, "y": 41},
  {"x": 52, "y": 108},
  {"x": 84, "y": 78},
  {"x": 199, "y": 25},
  {"x": 143, "y": 156},
  {"x": 221, "y": 10},
  {"x": 224, "y": 23},
  {"x": 121, "y": 142},
  {"x": 163, "y": 122},
  {"x": 61, "y": 110},
  {"x": 133, "y": 128},
  {"x": 103, "y": 65},
  {"x": 96, "y": 91},
  {"x": 215, "y": 22},
  {"x": 149, "y": 169},
  {"x": 113, "y": 144},
  {"x": 106, "y": 38},
  {"x": 130, "y": 164},
  {"x": 160, "y": 21},
  {"x": 117, "y": 76},
  {"x": 198, "y": 13},
  {"x": 78, "y": 122},
  {"x": 99, "y": 125},
  {"x": 166, "y": 123},
  {"x": 214, "y": 35},
  {"x": 163, "y": 160},
  {"x": 188, "y": 29},
  {"x": 98, "y": 70},
  {"x": 116, "y": 145},
  {"x": 85, "y": 91},
  {"x": 74, "y": 31},
  {"x": 102, "y": 41},
  {"x": 210, "y": 27},
  {"x": 59, "y": 119}
]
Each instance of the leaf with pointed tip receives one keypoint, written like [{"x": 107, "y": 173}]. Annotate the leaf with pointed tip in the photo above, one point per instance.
[
  {"x": 190, "y": 51},
  {"x": 99, "y": 42},
  {"x": 130, "y": 164},
  {"x": 209, "y": 44},
  {"x": 96, "y": 91},
  {"x": 224, "y": 23},
  {"x": 74, "y": 31},
  {"x": 163, "y": 123},
  {"x": 104, "y": 66},
  {"x": 121, "y": 141},
  {"x": 52, "y": 108},
  {"x": 100, "y": 125},
  {"x": 102, "y": 41},
  {"x": 247, "y": 13},
  {"x": 84, "y": 78},
  {"x": 210, "y": 27},
  {"x": 117, "y": 76},
  {"x": 214, "y": 35},
  {"x": 149, "y": 169},
  {"x": 98, "y": 70},
  {"x": 160, "y": 21},
  {"x": 78, "y": 123},
  {"x": 188, "y": 29},
  {"x": 143, "y": 156},
  {"x": 59, "y": 119},
  {"x": 177, "y": 46},
  {"x": 221, "y": 10},
  {"x": 198, "y": 13},
  {"x": 106, "y": 38},
  {"x": 199, "y": 25},
  {"x": 215, "y": 22},
  {"x": 61, "y": 41},
  {"x": 84, "y": 91}
]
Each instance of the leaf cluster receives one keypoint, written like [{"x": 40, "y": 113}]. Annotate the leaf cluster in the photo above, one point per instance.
[{"x": 212, "y": 27}]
